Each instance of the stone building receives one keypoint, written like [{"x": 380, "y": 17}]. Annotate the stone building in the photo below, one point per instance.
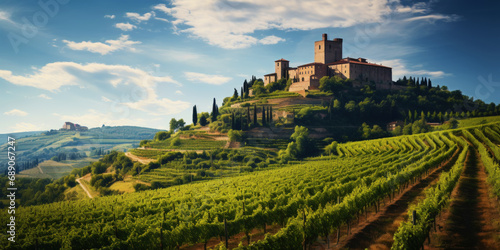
[
  {"x": 72, "y": 126},
  {"x": 328, "y": 62}
]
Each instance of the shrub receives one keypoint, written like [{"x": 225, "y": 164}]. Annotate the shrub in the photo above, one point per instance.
[{"x": 175, "y": 142}]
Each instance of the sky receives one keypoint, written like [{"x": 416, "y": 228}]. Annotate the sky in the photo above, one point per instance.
[{"x": 141, "y": 63}]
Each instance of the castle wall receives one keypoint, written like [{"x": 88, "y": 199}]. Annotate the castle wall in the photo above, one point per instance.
[{"x": 363, "y": 73}]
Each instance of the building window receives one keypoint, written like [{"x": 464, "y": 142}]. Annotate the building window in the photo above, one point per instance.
[
  {"x": 302, "y": 78},
  {"x": 320, "y": 47},
  {"x": 278, "y": 64}
]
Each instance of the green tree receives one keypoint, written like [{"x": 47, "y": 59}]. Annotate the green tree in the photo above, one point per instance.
[
  {"x": 173, "y": 125},
  {"x": 452, "y": 123},
  {"x": 195, "y": 115},
  {"x": 235, "y": 135},
  {"x": 332, "y": 148},
  {"x": 397, "y": 131},
  {"x": 161, "y": 136},
  {"x": 407, "y": 129},
  {"x": 214, "y": 111},
  {"x": 255, "y": 115},
  {"x": 235, "y": 94},
  {"x": 263, "y": 116}
]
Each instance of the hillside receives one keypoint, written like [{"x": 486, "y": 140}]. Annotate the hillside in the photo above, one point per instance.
[
  {"x": 298, "y": 203},
  {"x": 78, "y": 147}
]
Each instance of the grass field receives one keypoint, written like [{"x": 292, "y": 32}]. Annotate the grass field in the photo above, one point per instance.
[
  {"x": 55, "y": 170},
  {"x": 75, "y": 193}
]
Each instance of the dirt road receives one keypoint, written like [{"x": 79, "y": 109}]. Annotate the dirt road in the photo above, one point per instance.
[{"x": 84, "y": 188}]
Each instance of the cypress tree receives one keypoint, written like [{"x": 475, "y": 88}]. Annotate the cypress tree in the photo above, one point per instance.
[
  {"x": 255, "y": 115},
  {"x": 214, "y": 111},
  {"x": 235, "y": 94},
  {"x": 248, "y": 115},
  {"x": 267, "y": 116},
  {"x": 418, "y": 82},
  {"x": 232, "y": 121},
  {"x": 271, "y": 114},
  {"x": 263, "y": 116},
  {"x": 245, "y": 86},
  {"x": 429, "y": 83},
  {"x": 241, "y": 92},
  {"x": 241, "y": 121},
  {"x": 195, "y": 115}
]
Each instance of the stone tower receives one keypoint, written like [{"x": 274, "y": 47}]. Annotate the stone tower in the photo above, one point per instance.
[
  {"x": 281, "y": 68},
  {"x": 328, "y": 51}
]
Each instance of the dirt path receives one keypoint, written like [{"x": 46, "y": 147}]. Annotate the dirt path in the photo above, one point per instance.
[
  {"x": 377, "y": 231},
  {"x": 84, "y": 188},
  {"x": 142, "y": 160},
  {"x": 473, "y": 219},
  {"x": 41, "y": 171}
]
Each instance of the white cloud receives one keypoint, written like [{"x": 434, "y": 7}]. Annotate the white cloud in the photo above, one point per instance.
[
  {"x": 205, "y": 78},
  {"x": 5, "y": 16},
  {"x": 233, "y": 24},
  {"x": 163, "y": 8},
  {"x": 271, "y": 40},
  {"x": 103, "y": 48},
  {"x": 416, "y": 8},
  {"x": 105, "y": 99},
  {"x": 44, "y": 96},
  {"x": 16, "y": 112},
  {"x": 125, "y": 26},
  {"x": 433, "y": 17},
  {"x": 138, "y": 17},
  {"x": 140, "y": 92},
  {"x": 110, "y": 16},
  {"x": 162, "y": 19},
  {"x": 24, "y": 127},
  {"x": 179, "y": 92},
  {"x": 400, "y": 69}
]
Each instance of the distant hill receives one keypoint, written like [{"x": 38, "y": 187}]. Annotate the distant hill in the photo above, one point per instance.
[
  {"x": 36, "y": 147},
  {"x": 18, "y": 135}
]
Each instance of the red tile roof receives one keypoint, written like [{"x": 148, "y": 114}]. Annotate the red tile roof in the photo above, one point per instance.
[
  {"x": 281, "y": 60},
  {"x": 344, "y": 61},
  {"x": 310, "y": 64}
]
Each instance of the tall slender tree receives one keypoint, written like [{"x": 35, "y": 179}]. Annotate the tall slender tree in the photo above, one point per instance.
[
  {"x": 263, "y": 116},
  {"x": 248, "y": 115},
  {"x": 195, "y": 115},
  {"x": 214, "y": 111},
  {"x": 271, "y": 114},
  {"x": 255, "y": 115}
]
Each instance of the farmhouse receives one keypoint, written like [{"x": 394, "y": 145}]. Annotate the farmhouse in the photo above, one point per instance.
[{"x": 328, "y": 61}]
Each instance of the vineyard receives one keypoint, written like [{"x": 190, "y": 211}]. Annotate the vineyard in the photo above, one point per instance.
[{"x": 295, "y": 206}]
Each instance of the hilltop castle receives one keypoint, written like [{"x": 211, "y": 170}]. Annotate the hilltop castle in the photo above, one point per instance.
[
  {"x": 328, "y": 61},
  {"x": 73, "y": 126}
]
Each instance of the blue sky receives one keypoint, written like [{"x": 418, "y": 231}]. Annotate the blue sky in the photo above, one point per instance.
[{"x": 141, "y": 63}]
